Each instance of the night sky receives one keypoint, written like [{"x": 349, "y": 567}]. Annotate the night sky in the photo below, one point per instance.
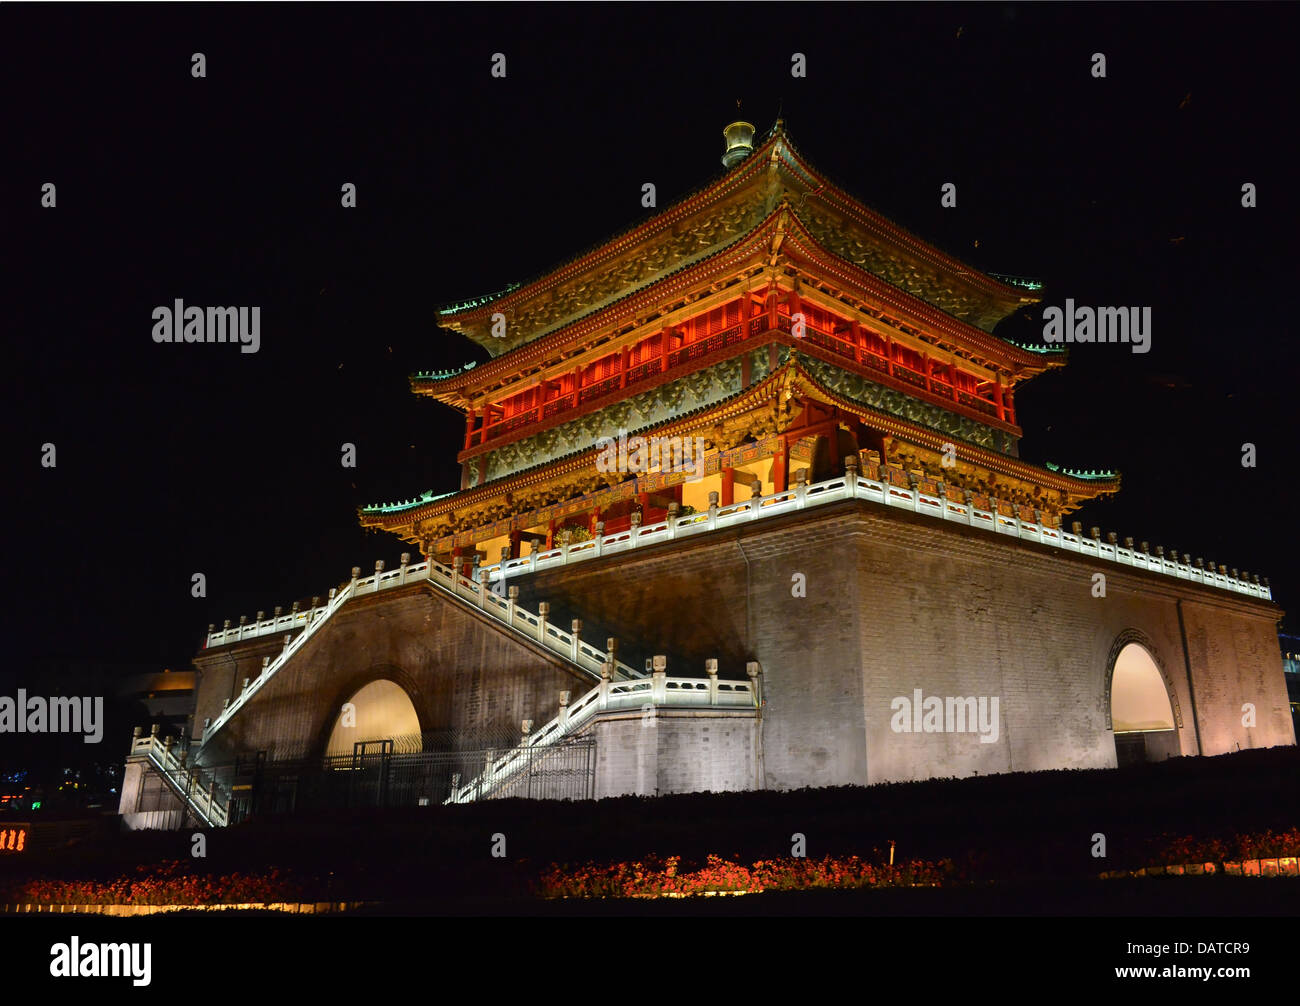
[{"x": 176, "y": 459}]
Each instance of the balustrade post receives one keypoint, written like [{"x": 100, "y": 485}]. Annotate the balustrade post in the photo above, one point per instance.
[
  {"x": 287, "y": 636},
  {"x": 600, "y": 537},
  {"x": 483, "y": 589},
  {"x": 659, "y": 679},
  {"x": 914, "y": 485},
  {"x": 356, "y": 574},
  {"x": 405, "y": 561},
  {"x": 245, "y": 688},
  {"x": 606, "y": 676},
  {"x": 261, "y": 616},
  {"x": 800, "y": 488},
  {"x": 576, "y": 627},
  {"x": 673, "y": 509},
  {"x": 563, "y": 716},
  {"x": 755, "y": 685},
  {"x": 968, "y": 498},
  {"x": 543, "y": 611},
  {"x": 851, "y": 474},
  {"x": 379, "y": 568},
  {"x": 266, "y": 665},
  {"x": 755, "y": 499},
  {"x": 512, "y": 599},
  {"x": 713, "y": 510},
  {"x": 711, "y": 669},
  {"x": 243, "y": 621}
]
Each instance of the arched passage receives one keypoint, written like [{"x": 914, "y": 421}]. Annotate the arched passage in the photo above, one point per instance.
[
  {"x": 1142, "y": 716},
  {"x": 379, "y": 711}
]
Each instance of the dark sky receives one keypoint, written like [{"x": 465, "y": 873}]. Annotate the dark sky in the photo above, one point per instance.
[{"x": 225, "y": 190}]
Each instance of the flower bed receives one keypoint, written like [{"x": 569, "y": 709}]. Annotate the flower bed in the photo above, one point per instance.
[
  {"x": 667, "y": 878},
  {"x": 169, "y": 883}
]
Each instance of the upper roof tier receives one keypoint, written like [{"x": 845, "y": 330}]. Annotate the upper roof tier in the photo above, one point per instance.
[{"x": 718, "y": 215}]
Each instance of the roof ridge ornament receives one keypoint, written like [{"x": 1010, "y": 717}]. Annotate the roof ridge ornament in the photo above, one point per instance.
[{"x": 740, "y": 142}]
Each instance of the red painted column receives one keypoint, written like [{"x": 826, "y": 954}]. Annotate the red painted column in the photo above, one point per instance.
[
  {"x": 514, "y": 544},
  {"x": 1011, "y": 406},
  {"x": 622, "y": 374},
  {"x": 771, "y": 307},
  {"x": 780, "y": 466},
  {"x": 469, "y": 426},
  {"x": 889, "y": 355},
  {"x": 728, "y": 495},
  {"x": 858, "y": 341},
  {"x": 550, "y": 535},
  {"x": 595, "y": 519},
  {"x": 999, "y": 399}
]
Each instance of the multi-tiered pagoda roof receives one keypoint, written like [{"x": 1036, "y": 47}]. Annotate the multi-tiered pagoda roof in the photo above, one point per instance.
[{"x": 769, "y": 314}]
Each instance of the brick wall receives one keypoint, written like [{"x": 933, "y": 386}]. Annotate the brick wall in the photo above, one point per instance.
[{"x": 893, "y": 602}]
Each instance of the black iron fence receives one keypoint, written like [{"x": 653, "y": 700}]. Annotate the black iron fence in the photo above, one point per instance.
[{"x": 377, "y": 776}]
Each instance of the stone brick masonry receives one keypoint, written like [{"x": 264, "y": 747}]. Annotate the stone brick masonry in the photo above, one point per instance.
[{"x": 894, "y": 602}]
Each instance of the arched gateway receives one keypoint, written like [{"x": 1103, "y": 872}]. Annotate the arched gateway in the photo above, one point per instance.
[
  {"x": 1143, "y": 716},
  {"x": 380, "y": 713}
]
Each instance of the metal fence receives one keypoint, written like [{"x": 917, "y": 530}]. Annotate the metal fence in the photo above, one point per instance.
[{"x": 377, "y": 776}]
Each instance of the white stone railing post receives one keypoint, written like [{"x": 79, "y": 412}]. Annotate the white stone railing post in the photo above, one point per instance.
[
  {"x": 563, "y": 716},
  {"x": 576, "y": 647},
  {"x": 406, "y": 561},
  {"x": 543, "y": 612},
  {"x": 600, "y": 537},
  {"x": 635, "y": 527},
  {"x": 672, "y": 519},
  {"x": 659, "y": 680},
  {"x": 483, "y": 589},
  {"x": 379, "y": 568},
  {"x": 851, "y": 474},
  {"x": 711, "y": 669},
  {"x": 800, "y": 487},
  {"x": 713, "y": 511},
  {"x": 512, "y": 599},
  {"x": 755, "y": 685},
  {"x": 266, "y": 665},
  {"x": 356, "y": 575},
  {"x": 755, "y": 500},
  {"x": 606, "y": 675}
]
